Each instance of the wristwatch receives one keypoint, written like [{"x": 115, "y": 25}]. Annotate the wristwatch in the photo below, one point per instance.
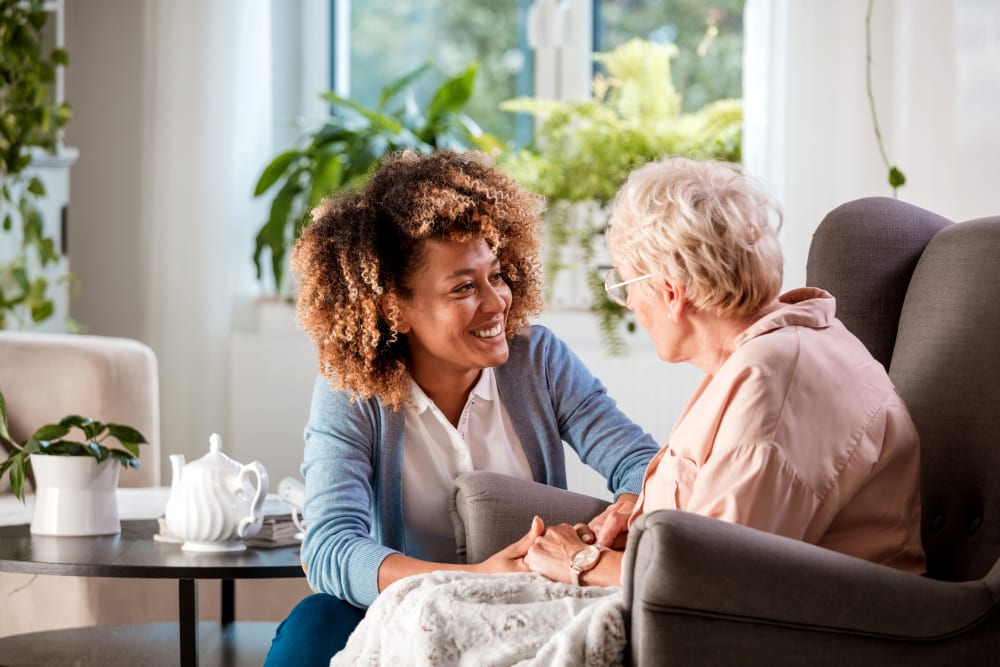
[{"x": 583, "y": 560}]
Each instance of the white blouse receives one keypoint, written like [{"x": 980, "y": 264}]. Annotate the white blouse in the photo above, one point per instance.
[{"x": 435, "y": 453}]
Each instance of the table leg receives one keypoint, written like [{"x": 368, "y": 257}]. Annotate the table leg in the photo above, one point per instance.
[
  {"x": 188, "y": 622},
  {"x": 228, "y": 601}
]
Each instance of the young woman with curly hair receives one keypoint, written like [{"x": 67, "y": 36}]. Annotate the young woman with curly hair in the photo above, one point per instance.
[{"x": 417, "y": 291}]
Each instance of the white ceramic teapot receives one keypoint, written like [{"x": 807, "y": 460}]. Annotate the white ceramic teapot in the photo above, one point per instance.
[{"x": 213, "y": 506}]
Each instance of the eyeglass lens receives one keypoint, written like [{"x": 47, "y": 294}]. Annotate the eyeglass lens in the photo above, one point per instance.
[{"x": 616, "y": 290}]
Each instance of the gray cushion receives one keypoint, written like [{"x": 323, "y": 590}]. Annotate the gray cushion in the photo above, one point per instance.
[
  {"x": 863, "y": 253},
  {"x": 947, "y": 369}
]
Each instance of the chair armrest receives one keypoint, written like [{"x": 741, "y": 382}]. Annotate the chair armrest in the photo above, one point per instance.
[
  {"x": 682, "y": 563},
  {"x": 491, "y": 511}
]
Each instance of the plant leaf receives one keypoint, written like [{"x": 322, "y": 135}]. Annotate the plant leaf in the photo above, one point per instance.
[
  {"x": 17, "y": 478},
  {"x": 4, "y": 431},
  {"x": 126, "y": 434},
  {"x": 274, "y": 170},
  {"x": 93, "y": 429},
  {"x": 36, "y": 187},
  {"x": 272, "y": 235},
  {"x": 896, "y": 178},
  {"x": 327, "y": 176},
  {"x": 50, "y": 432},
  {"x": 132, "y": 447},
  {"x": 73, "y": 420},
  {"x": 451, "y": 96},
  {"x": 33, "y": 446},
  {"x": 66, "y": 448},
  {"x": 124, "y": 458},
  {"x": 98, "y": 451},
  {"x": 387, "y": 123},
  {"x": 402, "y": 83},
  {"x": 47, "y": 251}
]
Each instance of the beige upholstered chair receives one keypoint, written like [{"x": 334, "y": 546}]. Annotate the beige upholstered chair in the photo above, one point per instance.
[{"x": 45, "y": 377}]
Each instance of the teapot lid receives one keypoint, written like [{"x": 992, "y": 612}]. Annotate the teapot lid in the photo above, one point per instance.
[{"x": 215, "y": 459}]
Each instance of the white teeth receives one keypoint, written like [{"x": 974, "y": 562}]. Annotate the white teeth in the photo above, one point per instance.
[{"x": 489, "y": 333}]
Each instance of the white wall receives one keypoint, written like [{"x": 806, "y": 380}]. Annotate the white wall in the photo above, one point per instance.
[
  {"x": 809, "y": 134},
  {"x": 168, "y": 114},
  {"x": 107, "y": 88}
]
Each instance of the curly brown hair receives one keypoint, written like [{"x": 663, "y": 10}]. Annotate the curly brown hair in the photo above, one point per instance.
[{"x": 354, "y": 260}]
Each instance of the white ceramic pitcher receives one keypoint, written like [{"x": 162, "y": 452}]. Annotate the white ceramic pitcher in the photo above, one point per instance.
[{"x": 213, "y": 505}]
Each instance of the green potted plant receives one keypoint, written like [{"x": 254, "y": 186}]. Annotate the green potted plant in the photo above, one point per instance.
[
  {"x": 347, "y": 147},
  {"x": 30, "y": 121},
  {"x": 75, "y": 479},
  {"x": 584, "y": 150}
]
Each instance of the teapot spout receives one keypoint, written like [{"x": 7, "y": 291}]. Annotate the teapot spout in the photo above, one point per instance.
[{"x": 176, "y": 467}]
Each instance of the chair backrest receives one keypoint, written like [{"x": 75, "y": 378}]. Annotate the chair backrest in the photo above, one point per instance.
[
  {"x": 919, "y": 292},
  {"x": 863, "y": 253},
  {"x": 45, "y": 377},
  {"x": 946, "y": 366}
]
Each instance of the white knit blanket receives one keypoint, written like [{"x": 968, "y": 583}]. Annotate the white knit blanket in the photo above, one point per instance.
[{"x": 489, "y": 620}]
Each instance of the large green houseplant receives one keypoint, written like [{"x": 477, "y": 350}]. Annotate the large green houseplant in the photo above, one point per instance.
[
  {"x": 30, "y": 121},
  {"x": 584, "y": 150},
  {"x": 347, "y": 147}
]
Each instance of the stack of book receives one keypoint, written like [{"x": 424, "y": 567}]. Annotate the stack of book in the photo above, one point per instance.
[{"x": 278, "y": 530}]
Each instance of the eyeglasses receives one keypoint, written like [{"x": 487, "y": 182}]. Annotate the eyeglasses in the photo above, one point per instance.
[{"x": 617, "y": 288}]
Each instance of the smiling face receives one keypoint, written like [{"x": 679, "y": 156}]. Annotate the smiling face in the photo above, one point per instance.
[{"x": 455, "y": 320}]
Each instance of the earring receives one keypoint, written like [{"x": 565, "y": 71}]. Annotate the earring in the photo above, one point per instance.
[{"x": 670, "y": 316}]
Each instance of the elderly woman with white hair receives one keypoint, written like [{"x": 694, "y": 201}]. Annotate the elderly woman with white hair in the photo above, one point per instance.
[{"x": 795, "y": 430}]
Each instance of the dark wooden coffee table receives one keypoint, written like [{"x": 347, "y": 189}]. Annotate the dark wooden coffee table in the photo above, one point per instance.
[{"x": 134, "y": 553}]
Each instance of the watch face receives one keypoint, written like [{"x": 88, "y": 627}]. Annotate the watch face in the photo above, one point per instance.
[{"x": 585, "y": 558}]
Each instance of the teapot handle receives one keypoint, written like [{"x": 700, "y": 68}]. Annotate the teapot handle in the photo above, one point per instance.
[{"x": 250, "y": 525}]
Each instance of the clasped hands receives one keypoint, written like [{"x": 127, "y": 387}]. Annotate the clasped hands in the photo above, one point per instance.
[{"x": 548, "y": 550}]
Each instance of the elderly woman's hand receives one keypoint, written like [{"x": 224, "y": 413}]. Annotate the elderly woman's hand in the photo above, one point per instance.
[
  {"x": 610, "y": 527},
  {"x": 551, "y": 552}
]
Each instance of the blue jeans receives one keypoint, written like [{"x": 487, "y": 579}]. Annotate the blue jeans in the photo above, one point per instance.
[{"x": 316, "y": 629}]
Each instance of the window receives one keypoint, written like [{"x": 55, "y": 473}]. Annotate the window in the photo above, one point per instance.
[
  {"x": 523, "y": 47},
  {"x": 385, "y": 39},
  {"x": 708, "y": 36}
]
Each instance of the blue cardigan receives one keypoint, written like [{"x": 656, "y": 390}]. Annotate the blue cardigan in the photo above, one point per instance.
[{"x": 354, "y": 458}]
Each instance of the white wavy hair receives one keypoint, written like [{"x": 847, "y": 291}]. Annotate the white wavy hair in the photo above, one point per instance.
[{"x": 702, "y": 224}]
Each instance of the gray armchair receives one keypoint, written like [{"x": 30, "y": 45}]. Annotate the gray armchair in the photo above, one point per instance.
[{"x": 921, "y": 293}]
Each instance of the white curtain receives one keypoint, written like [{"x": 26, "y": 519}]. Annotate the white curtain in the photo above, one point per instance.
[
  {"x": 808, "y": 129},
  {"x": 209, "y": 86}
]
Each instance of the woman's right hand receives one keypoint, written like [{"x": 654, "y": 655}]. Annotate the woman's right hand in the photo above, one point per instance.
[
  {"x": 511, "y": 558},
  {"x": 610, "y": 527}
]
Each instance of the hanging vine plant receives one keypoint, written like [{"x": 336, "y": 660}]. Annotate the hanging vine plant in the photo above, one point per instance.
[
  {"x": 896, "y": 177},
  {"x": 30, "y": 121}
]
